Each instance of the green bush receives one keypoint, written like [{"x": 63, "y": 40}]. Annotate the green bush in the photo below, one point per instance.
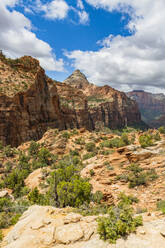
[
  {"x": 125, "y": 139},
  {"x": 95, "y": 209},
  {"x": 1, "y": 235},
  {"x": 116, "y": 142},
  {"x": 127, "y": 199},
  {"x": 162, "y": 130},
  {"x": 8, "y": 151},
  {"x": 156, "y": 136},
  {"x": 136, "y": 176},
  {"x": 66, "y": 135},
  {"x": 161, "y": 206},
  {"x": 89, "y": 155},
  {"x": 15, "y": 181},
  {"x": 97, "y": 197},
  {"x": 73, "y": 193},
  {"x": 92, "y": 173},
  {"x": 34, "y": 196},
  {"x": 119, "y": 223},
  {"x": 79, "y": 141},
  {"x": 90, "y": 147},
  {"x": 33, "y": 149},
  {"x": 67, "y": 188},
  {"x": 146, "y": 140},
  {"x": 74, "y": 152}
]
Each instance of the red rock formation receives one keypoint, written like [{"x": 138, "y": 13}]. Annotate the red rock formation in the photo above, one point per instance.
[
  {"x": 30, "y": 102},
  {"x": 152, "y": 106}
]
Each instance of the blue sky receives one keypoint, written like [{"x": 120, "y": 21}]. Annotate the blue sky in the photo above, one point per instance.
[
  {"x": 69, "y": 34},
  {"x": 120, "y": 43}
]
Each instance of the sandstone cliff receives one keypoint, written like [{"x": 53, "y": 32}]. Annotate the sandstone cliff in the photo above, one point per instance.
[
  {"x": 30, "y": 102},
  {"x": 152, "y": 107},
  {"x": 106, "y": 106}
]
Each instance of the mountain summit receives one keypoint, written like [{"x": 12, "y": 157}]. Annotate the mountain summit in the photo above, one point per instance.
[{"x": 77, "y": 79}]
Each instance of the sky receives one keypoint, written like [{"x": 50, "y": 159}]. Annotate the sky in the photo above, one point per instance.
[{"x": 116, "y": 42}]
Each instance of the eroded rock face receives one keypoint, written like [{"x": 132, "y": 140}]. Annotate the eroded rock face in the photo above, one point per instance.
[
  {"x": 30, "y": 102},
  {"x": 41, "y": 227},
  {"x": 152, "y": 107},
  {"x": 102, "y": 106}
]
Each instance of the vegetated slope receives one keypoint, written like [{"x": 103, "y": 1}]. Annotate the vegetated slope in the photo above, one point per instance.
[
  {"x": 30, "y": 102},
  {"x": 111, "y": 161},
  {"x": 152, "y": 107}
]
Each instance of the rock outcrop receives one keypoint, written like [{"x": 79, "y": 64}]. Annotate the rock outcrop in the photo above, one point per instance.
[
  {"x": 41, "y": 227},
  {"x": 152, "y": 107},
  {"x": 30, "y": 102},
  {"x": 106, "y": 106}
]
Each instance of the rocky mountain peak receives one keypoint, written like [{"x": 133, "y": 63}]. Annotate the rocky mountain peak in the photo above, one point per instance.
[{"x": 77, "y": 79}]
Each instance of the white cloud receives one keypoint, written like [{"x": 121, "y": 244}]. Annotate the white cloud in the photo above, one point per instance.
[
  {"x": 137, "y": 61},
  {"x": 17, "y": 38},
  {"x": 56, "y": 9},
  {"x": 80, "y": 4},
  {"x": 83, "y": 17},
  {"x": 82, "y": 14}
]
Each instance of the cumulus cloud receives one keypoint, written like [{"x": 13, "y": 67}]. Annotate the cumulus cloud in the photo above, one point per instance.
[
  {"x": 80, "y": 4},
  {"x": 82, "y": 14},
  {"x": 83, "y": 17},
  {"x": 132, "y": 62},
  {"x": 56, "y": 9},
  {"x": 17, "y": 37}
]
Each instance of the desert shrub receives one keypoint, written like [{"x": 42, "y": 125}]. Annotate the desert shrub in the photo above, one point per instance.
[
  {"x": 119, "y": 223},
  {"x": 44, "y": 156},
  {"x": 89, "y": 155},
  {"x": 15, "y": 219},
  {"x": 97, "y": 197},
  {"x": 151, "y": 175},
  {"x": 127, "y": 199},
  {"x": 8, "y": 151},
  {"x": 136, "y": 176},
  {"x": 1, "y": 235},
  {"x": 76, "y": 160},
  {"x": 33, "y": 148},
  {"x": 8, "y": 167},
  {"x": 35, "y": 197},
  {"x": 66, "y": 135},
  {"x": 15, "y": 180},
  {"x": 122, "y": 177},
  {"x": 95, "y": 209},
  {"x": 67, "y": 188},
  {"x": 79, "y": 141},
  {"x": 156, "y": 136},
  {"x": 11, "y": 211},
  {"x": 74, "y": 131},
  {"x": 24, "y": 162},
  {"x": 125, "y": 139},
  {"x": 105, "y": 143},
  {"x": 90, "y": 147},
  {"x": 161, "y": 206},
  {"x": 162, "y": 130},
  {"x": 116, "y": 142},
  {"x": 73, "y": 193},
  {"x": 146, "y": 140},
  {"x": 74, "y": 152},
  {"x": 43, "y": 159},
  {"x": 92, "y": 173}
]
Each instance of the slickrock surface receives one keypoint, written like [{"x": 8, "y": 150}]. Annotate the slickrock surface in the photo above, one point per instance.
[{"x": 48, "y": 227}]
